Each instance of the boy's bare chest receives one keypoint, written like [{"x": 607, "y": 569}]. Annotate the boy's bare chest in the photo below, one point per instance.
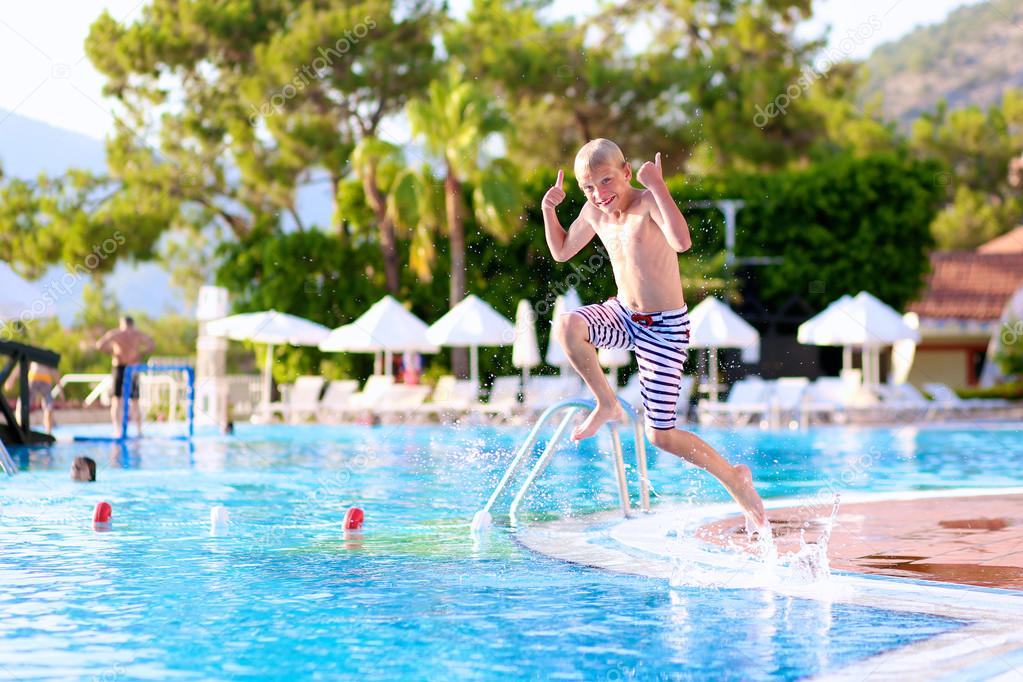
[{"x": 632, "y": 233}]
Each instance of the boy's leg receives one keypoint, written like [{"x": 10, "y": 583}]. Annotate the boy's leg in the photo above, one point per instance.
[
  {"x": 738, "y": 480},
  {"x": 661, "y": 360},
  {"x": 572, "y": 332}
]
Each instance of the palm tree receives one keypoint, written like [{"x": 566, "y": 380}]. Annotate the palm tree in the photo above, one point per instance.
[
  {"x": 367, "y": 158},
  {"x": 453, "y": 121}
]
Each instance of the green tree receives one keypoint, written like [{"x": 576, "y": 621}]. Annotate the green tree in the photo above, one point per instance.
[
  {"x": 977, "y": 149},
  {"x": 454, "y": 121}
]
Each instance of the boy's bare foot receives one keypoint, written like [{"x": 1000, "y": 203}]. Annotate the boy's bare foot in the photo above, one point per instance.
[
  {"x": 596, "y": 418},
  {"x": 746, "y": 495}
]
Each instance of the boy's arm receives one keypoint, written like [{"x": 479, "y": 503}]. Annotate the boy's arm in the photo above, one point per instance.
[
  {"x": 665, "y": 212},
  {"x": 563, "y": 245}
]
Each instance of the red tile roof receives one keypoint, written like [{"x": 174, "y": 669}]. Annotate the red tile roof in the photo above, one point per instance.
[
  {"x": 969, "y": 285},
  {"x": 1010, "y": 242}
]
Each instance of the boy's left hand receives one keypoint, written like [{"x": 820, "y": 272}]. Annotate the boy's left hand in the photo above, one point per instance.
[{"x": 649, "y": 174}]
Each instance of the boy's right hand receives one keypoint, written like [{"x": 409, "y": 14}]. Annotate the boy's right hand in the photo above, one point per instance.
[{"x": 555, "y": 195}]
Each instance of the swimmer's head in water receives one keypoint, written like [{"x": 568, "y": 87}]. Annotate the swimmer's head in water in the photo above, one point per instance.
[
  {"x": 83, "y": 469},
  {"x": 603, "y": 174}
]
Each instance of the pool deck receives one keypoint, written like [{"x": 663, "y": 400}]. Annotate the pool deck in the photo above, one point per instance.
[
  {"x": 975, "y": 540},
  {"x": 956, "y": 554}
]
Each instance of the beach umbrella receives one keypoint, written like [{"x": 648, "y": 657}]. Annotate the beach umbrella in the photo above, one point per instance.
[
  {"x": 470, "y": 324},
  {"x": 525, "y": 348},
  {"x": 386, "y": 327},
  {"x": 862, "y": 321},
  {"x": 20, "y": 300},
  {"x": 904, "y": 351},
  {"x": 713, "y": 325},
  {"x": 562, "y": 304},
  {"x": 273, "y": 329}
]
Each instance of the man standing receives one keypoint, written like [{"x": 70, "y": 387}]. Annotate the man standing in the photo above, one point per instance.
[{"x": 127, "y": 345}]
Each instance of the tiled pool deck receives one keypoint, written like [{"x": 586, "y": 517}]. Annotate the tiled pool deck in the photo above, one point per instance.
[{"x": 957, "y": 554}]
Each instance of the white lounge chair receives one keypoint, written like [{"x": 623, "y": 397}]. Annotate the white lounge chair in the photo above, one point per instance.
[
  {"x": 451, "y": 397},
  {"x": 786, "y": 398},
  {"x": 336, "y": 399},
  {"x": 303, "y": 399},
  {"x": 747, "y": 399},
  {"x": 402, "y": 400},
  {"x": 835, "y": 399},
  {"x": 371, "y": 395},
  {"x": 944, "y": 395},
  {"x": 904, "y": 402},
  {"x": 542, "y": 391},
  {"x": 504, "y": 397}
]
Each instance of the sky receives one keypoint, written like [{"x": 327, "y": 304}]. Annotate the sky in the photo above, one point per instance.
[{"x": 47, "y": 77}]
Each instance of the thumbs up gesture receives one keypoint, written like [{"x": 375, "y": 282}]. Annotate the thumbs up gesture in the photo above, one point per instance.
[
  {"x": 555, "y": 195},
  {"x": 649, "y": 174}
]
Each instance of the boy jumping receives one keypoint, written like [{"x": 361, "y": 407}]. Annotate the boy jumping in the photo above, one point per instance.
[{"x": 643, "y": 231}]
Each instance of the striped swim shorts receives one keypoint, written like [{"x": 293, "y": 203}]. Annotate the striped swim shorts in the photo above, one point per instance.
[{"x": 661, "y": 343}]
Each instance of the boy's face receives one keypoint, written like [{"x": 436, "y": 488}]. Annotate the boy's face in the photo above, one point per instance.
[{"x": 604, "y": 186}]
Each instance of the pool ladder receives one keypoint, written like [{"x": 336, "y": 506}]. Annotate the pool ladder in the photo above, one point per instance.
[
  {"x": 571, "y": 408},
  {"x": 6, "y": 463}
]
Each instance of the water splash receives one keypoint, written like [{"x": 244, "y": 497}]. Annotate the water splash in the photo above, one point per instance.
[{"x": 757, "y": 563}]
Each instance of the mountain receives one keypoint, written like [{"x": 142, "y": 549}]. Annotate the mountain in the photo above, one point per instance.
[
  {"x": 970, "y": 58},
  {"x": 29, "y": 147}
]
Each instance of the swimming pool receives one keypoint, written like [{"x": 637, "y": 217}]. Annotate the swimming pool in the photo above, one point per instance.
[{"x": 284, "y": 593}]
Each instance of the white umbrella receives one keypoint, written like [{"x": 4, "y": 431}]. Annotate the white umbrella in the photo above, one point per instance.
[
  {"x": 470, "y": 324},
  {"x": 20, "y": 300},
  {"x": 862, "y": 321},
  {"x": 387, "y": 326},
  {"x": 272, "y": 328},
  {"x": 714, "y": 325},
  {"x": 562, "y": 304},
  {"x": 525, "y": 348}
]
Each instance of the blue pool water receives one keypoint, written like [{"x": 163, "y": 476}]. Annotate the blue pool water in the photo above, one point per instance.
[{"x": 286, "y": 594}]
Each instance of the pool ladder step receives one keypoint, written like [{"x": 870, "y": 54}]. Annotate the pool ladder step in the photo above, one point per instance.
[{"x": 570, "y": 408}]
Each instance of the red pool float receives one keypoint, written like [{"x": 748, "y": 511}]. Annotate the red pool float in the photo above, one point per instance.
[
  {"x": 353, "y": 519},
  {"x": 102, "y": 513}
]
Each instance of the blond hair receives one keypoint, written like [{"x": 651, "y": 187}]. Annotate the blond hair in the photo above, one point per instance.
[{"x": 595, "y": 153}]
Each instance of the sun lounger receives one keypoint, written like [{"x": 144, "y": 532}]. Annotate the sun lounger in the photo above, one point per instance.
[
  {"x": 747, "y": 399},
  {"x": 451, "y": 397},
  {"x": 303, "y": 400},
  {"x": 402, "y": 400},
  {"x": 336, "y": 399},
  {"x": 786, "y": 397},
  {"x": 902, "y": 404},
  {"x": 504, "y": 397},
  {"x": 371, "y": 395},
  {"x": 543, "y": 391},
  {"x": 943, "y": 395},
  {"x": 835, "y": 399}
]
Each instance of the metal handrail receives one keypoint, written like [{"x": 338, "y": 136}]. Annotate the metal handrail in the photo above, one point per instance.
[
  {"x": 6, "y": 463},
  {"x": 482, "y": 517}
]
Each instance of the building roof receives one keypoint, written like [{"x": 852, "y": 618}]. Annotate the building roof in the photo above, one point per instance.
[
  {"x": 969, "y": 285},
  {"x": 1010, "y": 242}
]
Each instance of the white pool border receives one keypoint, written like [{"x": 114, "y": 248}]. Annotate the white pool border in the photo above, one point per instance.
[{"x": 990, "y": 647}]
